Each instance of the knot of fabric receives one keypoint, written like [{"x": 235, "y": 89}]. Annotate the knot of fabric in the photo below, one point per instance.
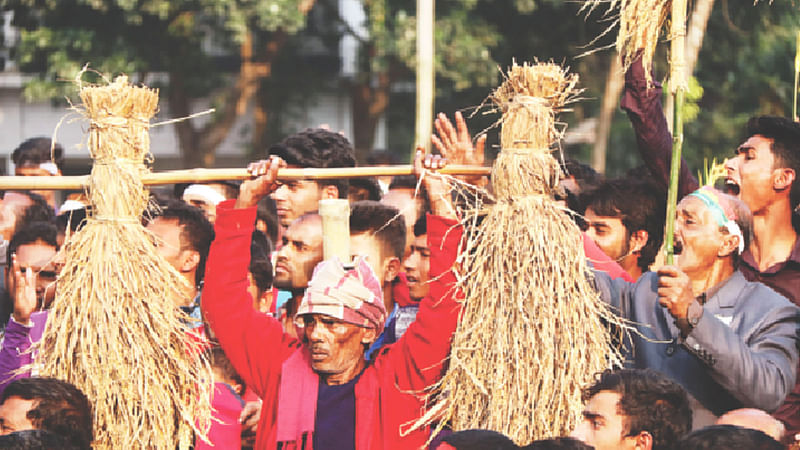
[{"x": 351, "y": 295}]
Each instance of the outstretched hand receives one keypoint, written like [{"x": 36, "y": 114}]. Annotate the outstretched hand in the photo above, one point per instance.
[
  {"x": 264, "y": 183},
  {"x": 437, "y": 188},
  {"x": 455, "y": 144}
]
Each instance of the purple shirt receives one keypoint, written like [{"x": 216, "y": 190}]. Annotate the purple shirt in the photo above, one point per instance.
[{"x": 16, "y": 343}]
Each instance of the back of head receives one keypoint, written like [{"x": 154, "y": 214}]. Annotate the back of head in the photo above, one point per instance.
[
  {"x": 383, "y": 221},
  {"x": 755, "y": 419},
  {"x": 640, "y": 206},
  {"x": 479, "y": 440},
  {"x": 650, "y": 401},
  {"x": 561, "y": 443},
  {"x": 785, "y": 136},
  {"x": 365, "y": 189},
  {"x": 727, "y": 437},
  {"x": 60, "y": 408},
  {"x": 38, "y": 211},
  {"x": 38, "y": 150},
  {"x": 36, "y": 440},
  {"x": 260, "y": 263},
  {"x": 196, "y": 230},
  {"x": 222, "y": 365},
  {"x": 317, "y": 148}
]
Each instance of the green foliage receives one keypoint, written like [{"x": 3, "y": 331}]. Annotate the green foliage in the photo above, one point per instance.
[{"x": 58, "y": 37}]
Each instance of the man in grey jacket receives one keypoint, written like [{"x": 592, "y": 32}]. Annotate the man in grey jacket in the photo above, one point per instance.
[{"x": 730, "y": 342}]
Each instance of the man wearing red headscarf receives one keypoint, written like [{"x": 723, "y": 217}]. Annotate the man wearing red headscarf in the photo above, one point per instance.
[{"x": 318, "y": 390}]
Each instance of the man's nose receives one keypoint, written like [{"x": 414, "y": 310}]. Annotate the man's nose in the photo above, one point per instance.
[
  {"x": 731, "y": 164},
  {"x": 280, "y": 193},
  {"x": 579, "y": 432}
]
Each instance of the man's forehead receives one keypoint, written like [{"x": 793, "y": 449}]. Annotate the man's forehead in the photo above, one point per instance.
[
  {"x": 37, "y": 254},
  {"x": 306, "y": 229}
]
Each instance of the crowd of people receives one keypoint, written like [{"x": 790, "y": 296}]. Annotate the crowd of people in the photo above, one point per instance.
[{"x": 330, "y": 354}]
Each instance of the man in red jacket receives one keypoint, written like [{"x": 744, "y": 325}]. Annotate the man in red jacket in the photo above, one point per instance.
[{"x": 318, "y": 390}]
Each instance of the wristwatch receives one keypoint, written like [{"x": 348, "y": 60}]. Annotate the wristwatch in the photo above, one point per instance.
[{"x": 694, "y": 313}]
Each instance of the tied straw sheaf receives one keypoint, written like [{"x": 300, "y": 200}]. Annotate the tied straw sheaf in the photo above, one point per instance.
[
  {"x": 115, "y": 329},
  {"x": 533, "y": 330}
]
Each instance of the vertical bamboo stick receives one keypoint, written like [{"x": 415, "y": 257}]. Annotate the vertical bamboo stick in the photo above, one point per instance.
[
  {"x": 425, "y": 73},
  {"x": 678, "y": 86},
  {"x": 335, "y": 214},
  {"x": 795, "y": 117}
]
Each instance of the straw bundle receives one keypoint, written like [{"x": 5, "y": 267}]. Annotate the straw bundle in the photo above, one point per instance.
[
  {"x": 532, "y": 329},
  {"x": 640, "y": 23},
  {"x": 114, "y": 329}
]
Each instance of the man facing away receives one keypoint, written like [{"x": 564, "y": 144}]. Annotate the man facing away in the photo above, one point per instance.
[{"x": 318, "y": 390}]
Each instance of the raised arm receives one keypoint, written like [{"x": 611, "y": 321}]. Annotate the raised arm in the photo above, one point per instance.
[
  {"x": 653, "y": 139},
  {"x": 254, "y": 342}
]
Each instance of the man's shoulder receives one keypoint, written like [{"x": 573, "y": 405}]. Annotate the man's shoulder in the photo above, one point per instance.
[{"x": 755, "y": 294}]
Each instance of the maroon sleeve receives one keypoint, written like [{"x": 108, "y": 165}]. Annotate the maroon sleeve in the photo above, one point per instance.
[
  {"x": 653, "y": 139},
  {"x": 254, "y": 342},
  {"x": 417, "y": 358}
]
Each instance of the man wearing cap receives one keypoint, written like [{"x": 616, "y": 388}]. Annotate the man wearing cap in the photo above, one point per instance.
[
  {"x": 730, "y": 342},
  {"x": 318, "y": 390}
]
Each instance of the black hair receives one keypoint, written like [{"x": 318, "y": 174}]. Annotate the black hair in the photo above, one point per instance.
[
  {"x": 38, "y": 150},
  {"x": 649, "y": 401},
  {"x": 35, "y": 440},
  {"x": 217, "y": 359},
  {"x": 584, "y": 174},
  {"x": 38, "y": 211},
  {"x": 268, "y": 213},
  {"x": 384, "y": 221},
  {"x": 365, "y": 189},
  {"x": 317, "y": 148},
  {"x": 73, "y": 219},
  {"x": 421, "y": 226},
  {"x": 727, "y": 437},
  {"x": 196, "y": 230},
  {"x": 480, "y": 440},
  {"x": 561, "y": 443},
  {"x": 60, "y": 408},
  {"x": 640, "y": 206},
  {"x": 410, "y": 182},
  {"x": 260, "y": 264},
  {"x": 785, "y": 136},
  {"x": 32, "y": 232}
]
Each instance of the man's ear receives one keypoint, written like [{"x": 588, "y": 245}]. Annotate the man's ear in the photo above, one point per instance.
[
  {"x": 784, "y": 179},
  {"x": 730, "y": 245},
  {"x": 391, "y": 268},
  {"x": 644, "y": 441},
  {"x": 638, "y": 240},
  {"x": 369, "y": 336},
  {"x": 189, "y": 261},
  {"x": 329, "y": 191}
]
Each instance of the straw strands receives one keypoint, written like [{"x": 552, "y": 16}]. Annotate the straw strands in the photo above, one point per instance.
[
  {"x": 533, "y": 331},
  {"x": 640, "y": 23},
  {"x": 114, "y": 329}
]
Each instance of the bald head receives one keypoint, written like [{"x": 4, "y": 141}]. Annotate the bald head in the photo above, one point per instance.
[{"x": 754, "y": 419}]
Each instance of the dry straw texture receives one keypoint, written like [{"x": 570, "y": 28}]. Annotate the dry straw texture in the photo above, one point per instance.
[
  {"x": 640, "y": 23},
  {"x": 533, "y": 330},
  {"x": 114, "y": 329}
]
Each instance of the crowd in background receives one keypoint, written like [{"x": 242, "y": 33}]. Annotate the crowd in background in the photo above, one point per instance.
[{"x": 331, "y": 354}]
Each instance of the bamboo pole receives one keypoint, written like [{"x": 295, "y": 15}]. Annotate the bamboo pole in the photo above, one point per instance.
[
  {"x": 213, "y": 175},
  {"x": 425, "y": 73},
  {"x": 678, "y": 85},
  {"x": 795, "y": 117}
]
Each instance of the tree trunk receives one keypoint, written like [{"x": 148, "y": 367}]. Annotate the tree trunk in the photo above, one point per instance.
[
  {"x": 614, "y": 84},
  {"x": 694, "y": 42},
  {"x": 369, "y": 103}
]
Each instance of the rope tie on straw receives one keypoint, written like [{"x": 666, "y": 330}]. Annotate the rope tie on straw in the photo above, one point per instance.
[
  {"x": 113, "y": 161},
  {"x": 110, "y": 122},
  {"x": 131, "y": 220},
  {"x": 525, "y": 151}
]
